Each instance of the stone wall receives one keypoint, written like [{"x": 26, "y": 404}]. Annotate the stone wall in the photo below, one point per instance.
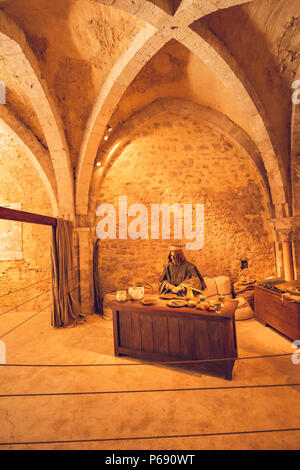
[
  {"x": 179, "y": 159},
  {"x": 20, "y": 183}
]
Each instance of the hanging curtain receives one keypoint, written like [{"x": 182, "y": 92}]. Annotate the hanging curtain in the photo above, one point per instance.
[
  {"x": 65, "y": 307},
  {"x": 97, "y": 291}
]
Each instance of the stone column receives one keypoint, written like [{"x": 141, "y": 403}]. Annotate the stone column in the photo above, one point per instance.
[
  {"x": 287, "y": 253},
  {"x": 287, "y": 231},
  {"x": 86, "y": 270},
  {"x": 279, "y": 261},
  {"x": 296, "y": 252}
]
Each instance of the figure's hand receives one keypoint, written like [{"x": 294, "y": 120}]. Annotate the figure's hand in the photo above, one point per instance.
[
  {"x": 175, "y": 290},
  {"x": 180, "y": 288}
]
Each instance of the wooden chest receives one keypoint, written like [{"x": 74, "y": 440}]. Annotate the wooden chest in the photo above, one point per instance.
[
  {"x": 164, "y": 334},
  {"x": 274, "y": 310}
]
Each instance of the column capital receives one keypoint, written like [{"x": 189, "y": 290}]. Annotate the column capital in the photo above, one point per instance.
[
  {"x": 286, "y": 228},
  {"x": 285, "y": 235}
]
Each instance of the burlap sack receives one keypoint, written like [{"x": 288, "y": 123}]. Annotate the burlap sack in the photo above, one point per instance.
[{"x": 243, "y": 310}]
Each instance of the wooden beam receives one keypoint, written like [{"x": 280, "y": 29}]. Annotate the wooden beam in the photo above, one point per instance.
[{"x": 29, "y": 217}]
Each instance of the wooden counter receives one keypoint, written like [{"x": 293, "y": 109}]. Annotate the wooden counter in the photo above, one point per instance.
[{"x": 162, "y": 333}]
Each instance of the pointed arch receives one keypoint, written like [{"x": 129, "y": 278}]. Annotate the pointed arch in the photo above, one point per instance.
[
  {"x": 145, "y": 44},
  {"x": 167, "y": 15},
  {"x": 16, "y": 51},
  {"x": 111, "y": 150},
  {"x": 38, "y": 156},
  {"x": 204, "y": 44},
  {"x": 143, "y": 47}
]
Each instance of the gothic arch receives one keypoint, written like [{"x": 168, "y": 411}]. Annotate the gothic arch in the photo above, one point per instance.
[
  {"x": 35, "y": 152},
  {"x": 167, "y": 15},
  {"x": 147, "y": 42},
  {"x": 16, "y": 51},
  {"x": 112, "y": 149}
]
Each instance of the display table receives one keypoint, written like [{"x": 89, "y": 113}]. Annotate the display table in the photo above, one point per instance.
[
  {"x": 271, "y": 308},
  {"x": 162, "y": 333}
]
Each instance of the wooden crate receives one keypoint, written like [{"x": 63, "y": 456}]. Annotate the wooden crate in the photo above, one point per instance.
[{"x": 274, "y": 310}]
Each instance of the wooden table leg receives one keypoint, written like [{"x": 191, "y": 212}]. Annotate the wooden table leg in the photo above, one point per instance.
[{"x": 229, "y": 369}]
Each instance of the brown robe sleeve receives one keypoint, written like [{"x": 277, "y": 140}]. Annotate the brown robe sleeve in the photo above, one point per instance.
[
  {"x": 195, "y": 279},
  {"x": 165, "y": 284}
]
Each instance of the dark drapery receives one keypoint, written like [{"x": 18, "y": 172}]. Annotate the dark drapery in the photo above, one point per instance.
[
  {"x": 65, "y": 308},
  {"x": 98, "y": 300}
]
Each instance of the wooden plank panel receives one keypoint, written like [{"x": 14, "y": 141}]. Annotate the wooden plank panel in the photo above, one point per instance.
[
  {"x": 291, "y": 313},
  {"x": 230, "y": 339},
  {"x": 125, "y": 333},
  {"x": 146, "y": 332},
  {"x": 216, "y": 335},
  {"x": 116, "y": 331},
  {"x": 174, "y": 336},
  {"x": 201, "y": 342},
  {"x": 189, "y": 336},
  {"x": 160, "y": 334},
  {"x": 186, "y": 331},
  {"x": 281, "y": 315},
  {"x": 136, "y": 330},
  {"x": 283, "y": 327}
]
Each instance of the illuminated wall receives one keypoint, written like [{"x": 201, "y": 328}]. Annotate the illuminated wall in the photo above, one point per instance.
[{"x": 177, "y": 159}]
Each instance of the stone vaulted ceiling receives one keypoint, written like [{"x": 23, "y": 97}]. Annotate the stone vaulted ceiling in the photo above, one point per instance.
[{"x": 72, "y": 67}]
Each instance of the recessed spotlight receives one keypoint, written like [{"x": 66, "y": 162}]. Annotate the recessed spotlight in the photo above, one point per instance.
[
  {"x": 109, "y": 128},
  {"x": 98, "y": 164},
  {"x": 105, "y": 137}
]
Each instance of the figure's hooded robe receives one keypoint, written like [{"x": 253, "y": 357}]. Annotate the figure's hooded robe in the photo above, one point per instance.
[{"x": 176, "y": 274}]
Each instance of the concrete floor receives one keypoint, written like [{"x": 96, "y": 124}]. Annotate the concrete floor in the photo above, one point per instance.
[{"x": 225, "y": 417}]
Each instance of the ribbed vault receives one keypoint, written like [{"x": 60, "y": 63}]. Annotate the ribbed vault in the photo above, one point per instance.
[
  {"x": 122, "y": 136},
  {"x": 16, "y": 51},
  {"x": 160, "y": 29}
]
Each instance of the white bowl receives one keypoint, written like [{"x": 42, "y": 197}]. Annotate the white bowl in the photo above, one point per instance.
[
  {"x": 121, "y": 295},
  {"x": 136, "y": 293}
]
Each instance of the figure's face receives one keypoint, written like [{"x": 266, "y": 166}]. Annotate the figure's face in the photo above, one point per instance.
[
  {"x": 173, "y": 256},
  {"x": 176, "y": 256}
]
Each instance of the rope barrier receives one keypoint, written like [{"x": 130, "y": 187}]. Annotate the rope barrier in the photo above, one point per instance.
[
  {"x": 49, "y": 305},
  {"x": 138, "y": 438},
  {"x": 34, "y": 284},
  {"x": 33, "y": 298},
  {"x": 23, "y": 322},
  {"x": 26, "y": 287},
  {"x": 27, "y": 302},
  {"x": 177, "y": 362},
  {"x": 117, "y": 392},
  {"x": 191, "y": 361}
]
